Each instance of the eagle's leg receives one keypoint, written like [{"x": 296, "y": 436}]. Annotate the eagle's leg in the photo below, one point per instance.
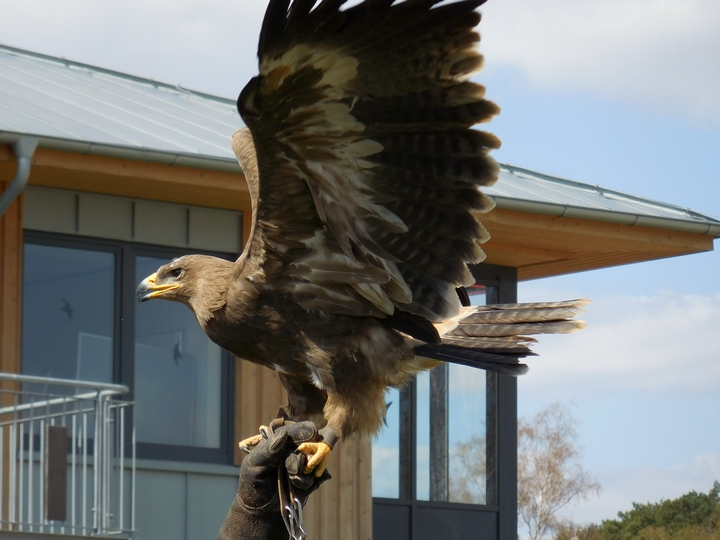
[{"x": 318, "y": 453}]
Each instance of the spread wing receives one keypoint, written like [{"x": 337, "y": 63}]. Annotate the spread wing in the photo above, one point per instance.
[{"x": 365, "y": 169}]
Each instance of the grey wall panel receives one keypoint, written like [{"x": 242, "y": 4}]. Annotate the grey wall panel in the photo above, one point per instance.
[
  {"x": 46, "y": 209},
  {"x": 105, "y": 217},
  {"x": 121, "y": 218},
  {"x": 161, "y": 223},
  {"x": 215, "y": 230},
  {"x": 160, "y": 502},
  {"x": 209, "y": 498}
]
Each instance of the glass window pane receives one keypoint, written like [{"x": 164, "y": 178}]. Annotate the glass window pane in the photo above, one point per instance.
[
  {"x": 177, "y": 373},
  {"x": 386, "y": 451},
  {"x": 467, "y": 435},
  {"x": 467, "y": 430},
  {"x": 459, "y": 467},
  {"x": 68, "y": 312}
]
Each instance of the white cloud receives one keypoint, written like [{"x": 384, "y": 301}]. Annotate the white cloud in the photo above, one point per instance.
[
  {"x": 662, "y": 344},
  {"x": 209, "y": 46},
  {"x": 659, "y": 52},
  {"x": 655, "y": 52}
]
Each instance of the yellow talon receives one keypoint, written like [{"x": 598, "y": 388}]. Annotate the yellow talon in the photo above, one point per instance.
[
  {"x": 317, "y": 457},
  {"x": 248, "y": 443}
]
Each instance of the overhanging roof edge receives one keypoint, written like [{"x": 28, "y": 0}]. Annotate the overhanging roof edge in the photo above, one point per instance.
[
  {"x": 136, "y": 154},
  {"x": 708, "y": 227}
]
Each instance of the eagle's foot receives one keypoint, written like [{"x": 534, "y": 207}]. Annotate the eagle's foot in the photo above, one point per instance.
[
  {"x": 246, "y": 445},
  {"x": 317, "y": 454}
]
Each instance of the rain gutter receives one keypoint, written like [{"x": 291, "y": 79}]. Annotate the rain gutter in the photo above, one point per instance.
[
  {"x": 702, "y": 225},
  {"x": 707, "y": 226},
  {"x": 24, "y": 149},
  {"x": 196, "y": 161}
]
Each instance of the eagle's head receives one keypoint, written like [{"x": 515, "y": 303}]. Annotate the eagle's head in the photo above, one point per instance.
[{"x": 198, "y": 281}]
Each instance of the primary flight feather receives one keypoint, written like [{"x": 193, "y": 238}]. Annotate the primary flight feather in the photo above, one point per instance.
[{"x": 364, "y": 174}]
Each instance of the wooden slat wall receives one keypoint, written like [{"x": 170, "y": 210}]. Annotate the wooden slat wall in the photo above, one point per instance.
[
  {"x": 541, "y": 245},
  {"x": 10, "y": 313},
  {"x": 342, "y": 508},
  {"x": 10, "y": 285}
]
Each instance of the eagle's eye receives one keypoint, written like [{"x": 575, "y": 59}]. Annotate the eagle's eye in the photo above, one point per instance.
[{"x": 176, "y": 273}]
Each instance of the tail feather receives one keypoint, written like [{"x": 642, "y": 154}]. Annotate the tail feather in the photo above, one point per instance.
[
  {"x": 507, "y": 364},
  {"x": 495, "y": 337},
  {"x": 502, "y": 330}
]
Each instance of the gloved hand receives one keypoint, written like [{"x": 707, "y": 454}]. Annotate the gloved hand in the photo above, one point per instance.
[{"x": 255, "y": 512}]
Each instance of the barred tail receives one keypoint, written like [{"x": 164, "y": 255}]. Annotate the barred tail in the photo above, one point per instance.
[{"x": 496, "y": 337}]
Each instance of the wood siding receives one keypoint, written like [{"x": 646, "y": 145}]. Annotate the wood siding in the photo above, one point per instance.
[
  {"x": 10, "y": 313},
  {"x": 10, "y": 286},
  {"x": 543, "y": 246}
]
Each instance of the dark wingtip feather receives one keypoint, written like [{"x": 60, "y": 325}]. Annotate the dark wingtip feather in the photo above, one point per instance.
[{"x": 272, "y": 26}]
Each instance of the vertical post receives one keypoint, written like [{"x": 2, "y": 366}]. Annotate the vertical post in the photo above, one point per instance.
[
  {"x": 507, "y": 427},
  {"x": 121, "y": 454},
  {"x": 439, "y": 488},
  {"x": 73, "y": 473},
  {"x": 408, "y": 399},
  {"x": 408, "y": 450},
  {"x": 491, "y": 438},
  {"x": 21, "y": 474},
  {"x": 84, "y": 472},
  {"x": 97, "y": 466}
]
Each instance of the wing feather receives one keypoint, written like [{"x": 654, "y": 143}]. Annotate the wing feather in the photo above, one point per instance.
[{"x": 365, "y": 171}]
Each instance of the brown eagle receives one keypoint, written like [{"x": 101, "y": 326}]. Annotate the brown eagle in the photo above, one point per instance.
[{"x": 364, "y": 173}]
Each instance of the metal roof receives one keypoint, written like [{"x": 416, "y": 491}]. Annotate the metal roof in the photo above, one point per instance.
[
  {"x": 530, "y": 191},
  {"x": 74, "y": 106},
  {"x": 77, "y": 107}
]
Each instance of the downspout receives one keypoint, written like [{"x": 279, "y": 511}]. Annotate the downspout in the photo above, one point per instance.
[{"x": 24, "y": 149}]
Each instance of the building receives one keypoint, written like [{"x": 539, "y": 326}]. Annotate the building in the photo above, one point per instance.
[{"x": 124, "y": 173}]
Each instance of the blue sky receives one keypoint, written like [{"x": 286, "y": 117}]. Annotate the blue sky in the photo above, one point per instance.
[{"x": 620, "y": 93}]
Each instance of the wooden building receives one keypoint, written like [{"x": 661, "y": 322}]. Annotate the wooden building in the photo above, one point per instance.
[{"x": 125, "y": 173}]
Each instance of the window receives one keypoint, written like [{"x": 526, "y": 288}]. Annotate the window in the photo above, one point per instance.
[
  {"x": 81, "y": 321},
  {"x": 68, "y": 312},
  {"x": 445, "y": 463},
  {"x": 177, "y": 373}
]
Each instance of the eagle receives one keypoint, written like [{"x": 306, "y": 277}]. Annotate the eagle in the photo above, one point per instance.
[{"x": 364, "y": 172}]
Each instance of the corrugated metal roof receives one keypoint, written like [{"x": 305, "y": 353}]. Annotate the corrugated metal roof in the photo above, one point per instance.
[
  {"x": 76, "y": 107},
  {"x": 57, "y": 99},
  {"x": 530, "y": 191}
]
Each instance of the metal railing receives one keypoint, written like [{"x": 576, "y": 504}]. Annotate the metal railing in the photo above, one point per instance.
[{"x": 67, "y": 462}]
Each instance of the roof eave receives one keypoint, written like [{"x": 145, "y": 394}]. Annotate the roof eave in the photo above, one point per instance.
[
  {"x": 609, "y": 216},
  {"x": 195, "y": 161}
]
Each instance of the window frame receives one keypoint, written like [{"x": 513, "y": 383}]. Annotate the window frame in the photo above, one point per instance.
[
  {"x": 407, "y": 517},
  {"x": 123, "y": 367}
]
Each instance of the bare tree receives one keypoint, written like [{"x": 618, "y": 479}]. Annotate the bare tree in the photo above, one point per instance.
[
  {"x": 550, "y": 474},
  {"x": 468, "y": 471}
]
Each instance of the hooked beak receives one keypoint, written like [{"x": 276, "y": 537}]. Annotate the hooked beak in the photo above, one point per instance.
[{"x": 149, "y": 289}]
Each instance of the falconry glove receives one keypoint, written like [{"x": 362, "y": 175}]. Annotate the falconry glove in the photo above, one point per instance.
[{"x": 272, "y": 487}]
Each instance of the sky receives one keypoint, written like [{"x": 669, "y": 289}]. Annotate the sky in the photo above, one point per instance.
[{"x": 619, "y": 93}]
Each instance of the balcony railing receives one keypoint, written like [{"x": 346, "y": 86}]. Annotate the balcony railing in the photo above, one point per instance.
[{"x": 67, "y": 457}]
